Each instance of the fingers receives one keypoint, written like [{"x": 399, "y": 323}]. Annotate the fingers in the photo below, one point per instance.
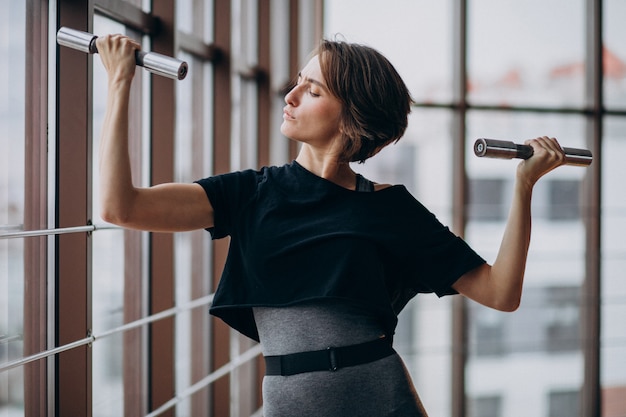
[
  {"x": 116, "y": 43},
  {"x": 547, "y": 155},
  {"x": 548, "y": 149},
  {"x": 117, "y": 53}
]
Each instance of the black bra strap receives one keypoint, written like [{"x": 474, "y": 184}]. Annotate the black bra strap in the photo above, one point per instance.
[{"x": 363, "y": 184}]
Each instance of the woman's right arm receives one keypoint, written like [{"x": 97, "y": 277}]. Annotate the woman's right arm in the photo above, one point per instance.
[{"x": 166, "y": 207}]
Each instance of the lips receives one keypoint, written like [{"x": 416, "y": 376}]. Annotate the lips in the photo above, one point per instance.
[{"x": 287, "y": 115}]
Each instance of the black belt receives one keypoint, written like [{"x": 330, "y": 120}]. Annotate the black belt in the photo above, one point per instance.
[{"x": 329, "y": 359}]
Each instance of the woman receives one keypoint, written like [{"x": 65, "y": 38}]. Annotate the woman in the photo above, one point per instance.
[{"x": 322, "y": 260}]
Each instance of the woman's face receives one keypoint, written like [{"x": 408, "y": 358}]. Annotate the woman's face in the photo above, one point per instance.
[{"x": 312, "y": 114}]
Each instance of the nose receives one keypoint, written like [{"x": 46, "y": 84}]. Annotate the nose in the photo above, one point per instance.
[{"x": 292, "y": 96}]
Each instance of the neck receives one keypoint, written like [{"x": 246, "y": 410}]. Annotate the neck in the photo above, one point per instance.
[{"x": 327, "y": 166}]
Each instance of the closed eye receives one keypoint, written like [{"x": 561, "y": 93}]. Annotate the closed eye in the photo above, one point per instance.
[{"x": 310, "y": 83}]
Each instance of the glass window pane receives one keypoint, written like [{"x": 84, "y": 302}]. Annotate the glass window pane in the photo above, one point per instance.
[
  {"x": 12, "y": 143},
  {"x": 244, "y": 93},
  {"x": 539, "y": 345},
  {"x": 486, "y": 406},
  {"x": 108, "y": 267},
  {"x": 11, "y": 323},
  {"x": 193, "y": 153},
  {"x": 195, "y": 17},
  {"x": 614, "y": 54},
  {"x": 564, "y": 404},
  {"x": 613, "y": 301},
  {"x": 415, "y": 35},
  {"x": 279, "y": 39},
  {"x": 528, "y": 53},
  {"x": 486, "y": 198}
]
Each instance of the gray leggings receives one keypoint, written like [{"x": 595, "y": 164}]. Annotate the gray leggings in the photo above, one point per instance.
[{"x": 380, "y": 388}]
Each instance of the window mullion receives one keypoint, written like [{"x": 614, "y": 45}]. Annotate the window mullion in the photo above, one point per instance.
[
  {"x": 459, "y": 308},
  {"x": 590, "y": 308}
]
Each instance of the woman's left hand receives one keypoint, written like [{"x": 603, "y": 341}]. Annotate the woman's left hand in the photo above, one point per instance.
[
  {"x": 500, "y": 286},
  {"x": 547, "y": 155}
]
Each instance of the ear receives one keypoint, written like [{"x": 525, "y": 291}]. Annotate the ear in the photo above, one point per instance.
[{"x": 342, "y": 123}]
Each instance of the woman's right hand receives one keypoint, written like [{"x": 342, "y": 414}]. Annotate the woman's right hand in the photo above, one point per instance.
[
  {"x": 117, "y": 53},
  {"x": 164, "y": 207}
]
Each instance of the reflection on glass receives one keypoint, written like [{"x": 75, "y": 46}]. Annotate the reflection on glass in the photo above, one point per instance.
[
  {"x": 108, "y": 268},
  {"x": 613, "y": 284},
  {"x": 526, "y": 53},
  {"x": 12, "y": 143},
  {"x": 539, "y": 345}
]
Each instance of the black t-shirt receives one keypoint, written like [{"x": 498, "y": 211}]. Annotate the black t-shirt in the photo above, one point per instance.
[{"x": 297, "y": 237}]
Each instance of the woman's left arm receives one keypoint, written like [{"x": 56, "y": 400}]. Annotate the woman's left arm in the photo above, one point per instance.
[{"x": 499, "y": 286}]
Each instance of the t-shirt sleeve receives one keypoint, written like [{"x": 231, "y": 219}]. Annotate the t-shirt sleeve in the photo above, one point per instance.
[
  {"x": 443, "y": 261},
  {"x": 435, "y": 257},
  {"x": 228, "y": 194}
]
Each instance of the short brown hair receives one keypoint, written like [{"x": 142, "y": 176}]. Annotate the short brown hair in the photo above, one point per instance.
[{"x": 375, "y": 100}]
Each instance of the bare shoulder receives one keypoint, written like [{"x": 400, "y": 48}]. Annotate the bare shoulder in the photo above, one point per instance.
[{"x": 378, "y": 187}]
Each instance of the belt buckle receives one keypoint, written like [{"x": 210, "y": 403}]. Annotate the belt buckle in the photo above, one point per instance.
[{"x": 332, "y": 359}]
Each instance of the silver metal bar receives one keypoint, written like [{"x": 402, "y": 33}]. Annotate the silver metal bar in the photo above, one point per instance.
[
  {"x": 57, "y": 231},
  {"x": 493, "y": 148},
  {"x": 76, "y": 39},
  {"x": 154, "y": 62},
  {"x": 44, "y": 354},
  {"x": 199, "y": 302},
  {"x": 8, "y": 339}
]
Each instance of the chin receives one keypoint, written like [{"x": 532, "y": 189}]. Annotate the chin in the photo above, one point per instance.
[{"x": 286, "y": 132}]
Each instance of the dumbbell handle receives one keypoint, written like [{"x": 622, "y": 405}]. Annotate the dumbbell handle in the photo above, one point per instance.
[
  {"x": 152, "y": 61},
  {"x": 492, "y": 148}
]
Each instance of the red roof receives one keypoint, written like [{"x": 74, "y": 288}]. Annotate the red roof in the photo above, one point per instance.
[{"x": 614, "y": 67}]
